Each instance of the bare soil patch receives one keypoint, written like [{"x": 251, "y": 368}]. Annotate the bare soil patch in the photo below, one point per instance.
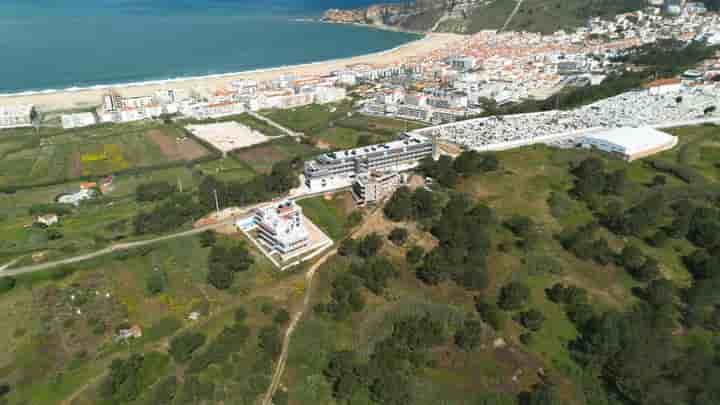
[{"x": 173, "y": 149}]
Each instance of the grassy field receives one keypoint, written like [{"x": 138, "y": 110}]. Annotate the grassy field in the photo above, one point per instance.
[
  {"x": 260, "y": 158},
  {"x": 329, "y": 215},
  {"x": 91, "y": 152},
  {"x": 74, "y": 318},
  {"x": 336, "y": 126},
  {"x": 523, "y": 186}
]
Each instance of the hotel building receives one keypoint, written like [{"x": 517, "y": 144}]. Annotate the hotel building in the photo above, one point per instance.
[
  {"x": 280, "y": 227},
  {"x": 339, "y": 169}
]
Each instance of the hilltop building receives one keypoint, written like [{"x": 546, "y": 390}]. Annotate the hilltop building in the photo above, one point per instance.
[
  {"x": 280, "y": 226},
  {"x": 339, "y": 169}
]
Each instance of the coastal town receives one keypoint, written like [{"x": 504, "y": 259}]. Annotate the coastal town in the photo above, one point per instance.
[{"x": 499, "y": 218}]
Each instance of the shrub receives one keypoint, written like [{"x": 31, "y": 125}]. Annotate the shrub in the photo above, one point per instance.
[
  {"x": 398, "y": 236},
  {"x": 414, "y": 255},
  {"x": 282, "y": 317},
  {"x": 183, "y": 346},
  {"x": 513, "y": 296},
  {"x": 532, "y": 319},
  {"x": 468, "y": 337}
]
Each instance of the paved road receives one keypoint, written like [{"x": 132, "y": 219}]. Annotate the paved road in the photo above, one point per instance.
[
  {"x": 111, "y": 249},
  {"x": 131, "y": 245}
]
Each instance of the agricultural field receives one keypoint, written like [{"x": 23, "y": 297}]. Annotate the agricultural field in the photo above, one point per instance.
[
  {"x": 261, "y": 158},
  {"x": 93, "y": 152}
]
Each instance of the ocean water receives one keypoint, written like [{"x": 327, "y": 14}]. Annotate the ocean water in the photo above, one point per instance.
[{"x": 58, "y": 44}]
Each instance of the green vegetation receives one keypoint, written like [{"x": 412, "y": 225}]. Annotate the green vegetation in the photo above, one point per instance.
[{"x": 338, "y": 127}]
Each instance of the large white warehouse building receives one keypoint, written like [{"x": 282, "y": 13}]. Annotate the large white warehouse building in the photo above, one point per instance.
[{"x": 630, "y": 143}]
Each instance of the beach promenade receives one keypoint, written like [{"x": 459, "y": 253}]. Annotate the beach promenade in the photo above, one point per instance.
[{"x": 90, "y": 97}]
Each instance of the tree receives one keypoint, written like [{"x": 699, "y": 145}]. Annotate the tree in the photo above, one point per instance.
[
  {"x": 155, "y": 191},
  {"x": 648, "y": 271},
  {"x": 370, "y": 245},
  {"x": 400, "y": 206},
  {"x": 208, "y": 239},
  {"x": 270, "y": 341},
  {"x": 398, "y": 236},
  {"x": 414, "y": 255},
  {"x": 532, "y": 319},
  {"x": 347, "y": 247},
  {"x": 155, "y": 282},
  {"x": 490, "y": 313},
  {"x": 183, "y": 346},
  {"x": 519, "y": 225},
  {"x": 513, "y": 296},
  {"x": 468, "y": 337},
  {"x": 7, "y": 284},
  {"x": 632, "y": 258},
  {"x": 282, "y": 317},
  {"x": 541, "y": 394},
  {"x": 660, "y": 292},
  {"x": 240, "y": 315}
]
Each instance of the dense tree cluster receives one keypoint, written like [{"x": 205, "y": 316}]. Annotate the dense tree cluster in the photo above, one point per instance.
[
  {"x": 448, "y": 172},
  {"x": 584, "y": 244},
  {"x": 270, "y": 340},
  {"x": 406, "y": 205},
  {"x": 224, "y": 262},
  {"x": 231, "y": 340},
  {"x": 464, "y": 243},
  {"x": 592, "y": 180},
  {"x": 280, "y": 180},
  {"x": 183, "y": 346},
  {"x": 169, "y": 215},
  {"x": 469, "y": 335},
  {"x": 388, "y": 373},
  {"x": 125, "y": 382},
  {"x": 346, "y": 297}
]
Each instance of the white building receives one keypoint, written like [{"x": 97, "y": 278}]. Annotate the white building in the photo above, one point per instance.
[
  {"x": 280, "y": 226},
  {"x": 16, "y": 116},
  {"x": 79, "y": 120},
  {"x": 630, "y": 143},
  {"x": 333, "y": 170},
  {"x": 76, "y": 198},
  {"x": 47, "y": 220},
  {"x": 375, "y": 186}
]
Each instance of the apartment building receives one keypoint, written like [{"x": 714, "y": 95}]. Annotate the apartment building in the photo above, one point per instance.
[
  {"x": 16, "y": 116},
  {"x": 339, "y": 169},
  {"x": 374, "y": 186},
  {"x": 280, "y": 226}
]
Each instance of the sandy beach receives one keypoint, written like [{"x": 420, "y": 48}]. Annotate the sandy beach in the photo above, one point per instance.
[{"x": 89, "y": 97}]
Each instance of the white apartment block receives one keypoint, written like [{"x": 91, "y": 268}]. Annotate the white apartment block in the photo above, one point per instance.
[
  {"x": 339, "y": 169},
  {"x": 16, "y": 116},
  {"x": 79, "y": 120},
  {"x": 374, "y": 186},
  {"x": 280, "y": 227}
]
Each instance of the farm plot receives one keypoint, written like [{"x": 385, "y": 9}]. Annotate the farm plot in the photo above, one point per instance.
[
  {"x": 262, "y": 157},
  {"x": 74, "y": 155}
]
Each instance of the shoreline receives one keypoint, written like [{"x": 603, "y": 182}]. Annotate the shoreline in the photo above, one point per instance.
[{"x": 84, "y": 97}]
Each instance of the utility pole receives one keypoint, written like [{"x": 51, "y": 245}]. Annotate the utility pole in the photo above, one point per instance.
[
  {"x": 217, "y": 203},
  {"x": 180, "y": 185}
]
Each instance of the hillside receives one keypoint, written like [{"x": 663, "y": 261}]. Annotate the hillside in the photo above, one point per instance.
[{"x": 471, "y": 16}]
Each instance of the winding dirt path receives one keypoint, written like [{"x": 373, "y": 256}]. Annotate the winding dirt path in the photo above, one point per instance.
[{"x": 280, "y": 368}]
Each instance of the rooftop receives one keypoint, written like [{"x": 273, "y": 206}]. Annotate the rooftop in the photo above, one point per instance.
[{"x": 633, "y": 140}]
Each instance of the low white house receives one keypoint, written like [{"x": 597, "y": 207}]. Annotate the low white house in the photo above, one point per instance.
[{"x": 47, "y": 220}]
